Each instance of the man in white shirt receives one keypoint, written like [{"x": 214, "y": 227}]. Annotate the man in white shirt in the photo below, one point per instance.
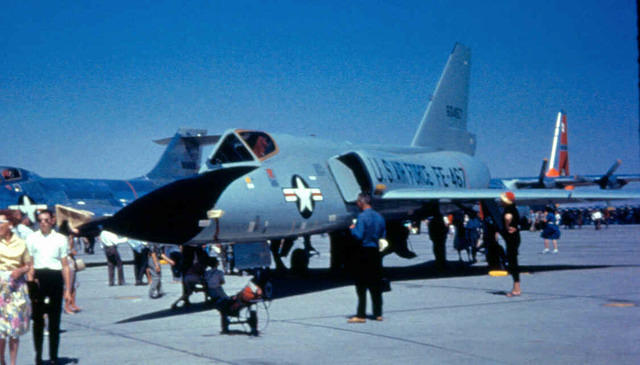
[
  {"x": 140, "y": 251},
  {"x": 49, "y": 277},
  {"x": 110, "y": 242},
  {"x": 596, "y": 217}
]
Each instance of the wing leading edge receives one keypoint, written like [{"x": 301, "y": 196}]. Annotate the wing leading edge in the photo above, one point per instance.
[{"x": 523, "y": 197}]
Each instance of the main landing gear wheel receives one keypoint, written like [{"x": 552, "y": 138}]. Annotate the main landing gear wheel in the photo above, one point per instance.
[{"x": 299, "y": 261}]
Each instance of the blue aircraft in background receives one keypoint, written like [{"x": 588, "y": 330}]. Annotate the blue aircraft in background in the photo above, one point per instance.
[{"x": 27, "y": 191}]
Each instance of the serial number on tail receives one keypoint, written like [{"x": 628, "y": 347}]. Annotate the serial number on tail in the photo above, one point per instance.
[{"x": 454, "y": 112}]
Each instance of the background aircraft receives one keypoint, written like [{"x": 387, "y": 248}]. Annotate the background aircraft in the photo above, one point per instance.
[
  {"x": 27, "y": 191},
  {"x": 258, "y": 186},
  {"x": 559, "y": 177}
]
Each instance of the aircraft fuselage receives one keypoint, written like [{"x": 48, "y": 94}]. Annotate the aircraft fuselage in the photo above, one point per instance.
[
  {"x": 307, "y": 186},
  {"x": 256, "y": 206}
]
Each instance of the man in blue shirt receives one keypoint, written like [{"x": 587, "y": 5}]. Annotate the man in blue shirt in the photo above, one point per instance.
[{"x": 368, "y": 229}]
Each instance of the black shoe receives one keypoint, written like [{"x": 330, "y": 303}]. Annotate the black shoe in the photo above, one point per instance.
[{"x": 406, "y": 253}]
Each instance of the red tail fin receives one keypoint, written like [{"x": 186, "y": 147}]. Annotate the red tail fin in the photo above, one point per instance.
[{"x": 563, "y": 158}]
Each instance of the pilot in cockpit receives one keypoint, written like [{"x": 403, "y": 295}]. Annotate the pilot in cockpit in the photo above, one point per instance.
[
  {"x": 260, "y": 147},
  {"x": 259, "y": 143},
  {"x": 8, "y": 174}
]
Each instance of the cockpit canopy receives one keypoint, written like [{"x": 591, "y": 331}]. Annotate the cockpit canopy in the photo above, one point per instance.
[
  {"x": 243, "y": 146},
  {"x": 10, "y": 174}
]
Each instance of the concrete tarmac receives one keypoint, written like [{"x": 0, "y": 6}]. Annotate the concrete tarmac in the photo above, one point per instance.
[{"x": 577, "y": 306}]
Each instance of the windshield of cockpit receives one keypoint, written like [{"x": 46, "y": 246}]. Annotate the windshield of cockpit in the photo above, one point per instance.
[
  {"x": 10, "y": 174},
  {"x": 250, "y": 146}
]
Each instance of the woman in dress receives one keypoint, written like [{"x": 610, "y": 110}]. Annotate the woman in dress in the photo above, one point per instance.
[
  {"x": 551, "y": 231},
  {"x": 15, "y": 309}
]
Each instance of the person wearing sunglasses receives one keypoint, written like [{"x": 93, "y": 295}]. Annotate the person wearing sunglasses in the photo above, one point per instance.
[{"x": 50, "y": 278}]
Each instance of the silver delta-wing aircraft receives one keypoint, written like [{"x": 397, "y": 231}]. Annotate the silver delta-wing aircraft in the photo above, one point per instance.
[{"x": 259, "y": 186}]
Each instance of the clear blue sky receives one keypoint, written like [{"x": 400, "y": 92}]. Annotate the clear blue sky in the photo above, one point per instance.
[{"x": 85, "y": 86}]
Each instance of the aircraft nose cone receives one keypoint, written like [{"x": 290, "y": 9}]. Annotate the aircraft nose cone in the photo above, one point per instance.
[{"x": 171, "y": 213}]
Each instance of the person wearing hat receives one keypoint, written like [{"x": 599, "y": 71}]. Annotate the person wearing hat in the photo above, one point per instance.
[{"x": 511, "y": 235}]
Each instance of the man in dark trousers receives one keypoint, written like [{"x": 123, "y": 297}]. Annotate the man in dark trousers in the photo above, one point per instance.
[
  {"x": 438, "y": 234},
  {"x": 368, "y": 229},
  {"x": 49, "y": 277}
]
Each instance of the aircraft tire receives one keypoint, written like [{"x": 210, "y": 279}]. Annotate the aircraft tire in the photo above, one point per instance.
[{"x": 299, "y": 261}]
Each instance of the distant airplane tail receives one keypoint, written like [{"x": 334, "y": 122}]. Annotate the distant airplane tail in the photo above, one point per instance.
[
  {"x": 183, "y": 154},
  {"x": 563, "y": 156},
  {"x": 444, "y": 125},
  {"x": 563, "y": 161}
]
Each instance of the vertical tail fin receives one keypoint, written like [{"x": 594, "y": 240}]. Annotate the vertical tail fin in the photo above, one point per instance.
[
  {"x": 561, "y": 134},
  {"x": 444, "y": 125},
  {"x": 563, "y": 158},
  {"x": 183, "y": 154}
]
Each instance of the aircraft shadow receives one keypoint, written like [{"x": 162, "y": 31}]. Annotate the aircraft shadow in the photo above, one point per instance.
[
  {"x": 322, "y": 279},
  {"x": 193, "y": 308},
  {"x": 316, "y": 280}
]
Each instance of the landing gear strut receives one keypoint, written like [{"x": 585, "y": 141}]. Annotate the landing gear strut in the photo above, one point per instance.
[
  {"x": 398, "y": 235},
  {"x": 341, "y": 246},
  {"x": 280, "y": 249}
]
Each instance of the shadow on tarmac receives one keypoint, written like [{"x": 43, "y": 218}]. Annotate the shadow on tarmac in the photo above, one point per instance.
[
  {"x": 315, "y": 280},
  {"x": 322, "y": 279},
  {"x": 67, "y": 360},
  {"x": 193, "y": 308}
]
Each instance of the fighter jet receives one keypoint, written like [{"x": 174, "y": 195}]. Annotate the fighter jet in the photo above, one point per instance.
[
  {"x": 559, "y": 178},
  {"x": 27, "y": 191},
  {"x": 258, "y": 186}
]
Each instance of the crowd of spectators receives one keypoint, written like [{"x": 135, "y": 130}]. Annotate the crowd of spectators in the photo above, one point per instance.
[{"x": 575, "y": 218}]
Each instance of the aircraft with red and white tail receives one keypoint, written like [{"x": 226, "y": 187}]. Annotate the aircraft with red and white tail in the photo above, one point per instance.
[{"x": 558, "y": 177}]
